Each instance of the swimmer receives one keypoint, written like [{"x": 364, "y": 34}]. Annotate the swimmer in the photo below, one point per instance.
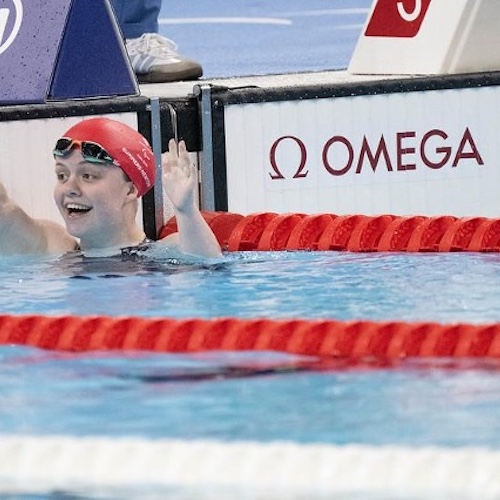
[{"x": 102, "y": 169}]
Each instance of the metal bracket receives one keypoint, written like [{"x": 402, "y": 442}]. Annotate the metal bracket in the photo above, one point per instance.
[
  {"x": 156, "y": 145},
  {"x": 204, "y": 93}
]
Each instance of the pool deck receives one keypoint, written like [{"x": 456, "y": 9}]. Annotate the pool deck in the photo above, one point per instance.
[{"x": 178, "y": 90}]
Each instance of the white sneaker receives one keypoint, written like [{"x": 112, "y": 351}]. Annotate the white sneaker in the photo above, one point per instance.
[{"x": 155, "y": 59}]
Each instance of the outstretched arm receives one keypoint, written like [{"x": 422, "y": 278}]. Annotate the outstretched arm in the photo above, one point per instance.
[
  {"x": 180, "y": 178},
  {"x": 20, "y": 233}
]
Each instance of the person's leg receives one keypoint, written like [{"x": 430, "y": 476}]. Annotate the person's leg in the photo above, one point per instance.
[
  {"x": 154, "y": 58},
  {"x": 137, "y": 17}
]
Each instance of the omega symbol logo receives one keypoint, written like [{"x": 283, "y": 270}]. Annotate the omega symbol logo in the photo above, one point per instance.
[
  {"x": 11, "y": 18},
  {"x": 397, "y": 18}
]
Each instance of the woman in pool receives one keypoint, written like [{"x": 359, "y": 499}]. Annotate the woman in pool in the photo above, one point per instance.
[{"x": 103, "y": 167}]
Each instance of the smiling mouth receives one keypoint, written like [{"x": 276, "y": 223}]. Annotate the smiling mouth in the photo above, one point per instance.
[{"x": 77, "y": 209}]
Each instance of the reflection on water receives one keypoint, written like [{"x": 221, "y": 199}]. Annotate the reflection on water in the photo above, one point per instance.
[{"x": 250, "y": 396}]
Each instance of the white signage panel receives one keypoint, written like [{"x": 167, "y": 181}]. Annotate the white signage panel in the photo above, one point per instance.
[{"x": 426, "y": 153}]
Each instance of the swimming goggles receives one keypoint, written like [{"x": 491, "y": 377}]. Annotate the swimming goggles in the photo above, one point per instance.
[{"x": 91, "y": 151}]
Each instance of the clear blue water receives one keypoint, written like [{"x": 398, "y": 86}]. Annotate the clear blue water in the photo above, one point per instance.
[
  {"x": 253, "y": 396},
  {"x": 202, "y": 396},
  {"x": 454, "y": 287},
  {"x": 248, "y": 396}
]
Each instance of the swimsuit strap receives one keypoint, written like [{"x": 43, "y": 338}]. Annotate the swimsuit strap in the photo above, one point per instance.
[
  {"x": 136, "y": 249},
  {"x": 145, "y": 241}
]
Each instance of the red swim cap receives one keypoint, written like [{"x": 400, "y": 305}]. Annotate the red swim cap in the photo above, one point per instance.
[{"x": 124, "y": 144}]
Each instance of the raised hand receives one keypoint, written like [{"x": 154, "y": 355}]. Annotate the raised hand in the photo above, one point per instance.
[
  {"x": 180, "y": 182},
  {"x": 180, "y": 177}
]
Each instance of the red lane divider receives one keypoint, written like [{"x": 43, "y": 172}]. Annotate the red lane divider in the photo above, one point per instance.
[
  {"x": 248, "y": 231},
  {"x": 306, "y": 233},
  {"x": 459, "y": 234},
  {"x": 398, "y": 233},
  {"x": 366, "y": 235},
  {"x": 355, "y": 233},
  {"x": 351, "y": 339},
  {"x": 336, "y": 235},
  {"x": 276, "y": 234}
]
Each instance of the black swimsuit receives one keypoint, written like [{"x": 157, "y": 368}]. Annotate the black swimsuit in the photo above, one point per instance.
[
  {"x": 134, "y": 250},
  {"x": 128, "y": 251}
]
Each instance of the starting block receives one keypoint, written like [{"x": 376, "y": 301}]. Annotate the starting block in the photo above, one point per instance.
[
  {"x": 411, "y": 37},
  {"x": 53, "y": 50}
]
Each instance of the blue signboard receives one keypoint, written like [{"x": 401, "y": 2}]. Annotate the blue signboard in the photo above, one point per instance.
[{"x": 61, "y": 49}]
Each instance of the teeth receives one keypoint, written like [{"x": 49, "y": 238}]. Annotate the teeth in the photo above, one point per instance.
[{"x": 77, "y": 206}]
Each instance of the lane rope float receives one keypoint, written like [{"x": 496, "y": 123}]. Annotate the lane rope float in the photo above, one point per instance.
[
  {"x": 342, "y": 339},
  {"x": 355, "y": 233}
]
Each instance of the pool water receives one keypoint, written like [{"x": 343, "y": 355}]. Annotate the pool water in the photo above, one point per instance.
[
  {"x": 249, "y": 396},
  {"x": 254, "y": 397},
  {"x": 454, "y": 287}
]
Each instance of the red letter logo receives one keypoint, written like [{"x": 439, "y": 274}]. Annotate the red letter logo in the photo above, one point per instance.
[{"x": 397, "y": 18}]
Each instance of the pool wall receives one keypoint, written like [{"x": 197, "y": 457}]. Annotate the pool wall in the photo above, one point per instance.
[{"x": 401, "y": 146}]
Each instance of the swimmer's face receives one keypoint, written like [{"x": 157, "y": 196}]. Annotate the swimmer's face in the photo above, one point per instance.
[{"x": 92, "y": 198}]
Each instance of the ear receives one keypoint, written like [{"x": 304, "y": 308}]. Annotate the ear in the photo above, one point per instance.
[{"x": 132, "y": 191}]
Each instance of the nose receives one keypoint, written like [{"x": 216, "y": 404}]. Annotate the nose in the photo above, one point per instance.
[{"x": 72, "y": 186}]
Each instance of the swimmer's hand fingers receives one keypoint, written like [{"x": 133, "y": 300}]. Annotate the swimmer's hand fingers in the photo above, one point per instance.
[
  {"x": 176, "y": 157},
  {"x": 179, "y": 175}
]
